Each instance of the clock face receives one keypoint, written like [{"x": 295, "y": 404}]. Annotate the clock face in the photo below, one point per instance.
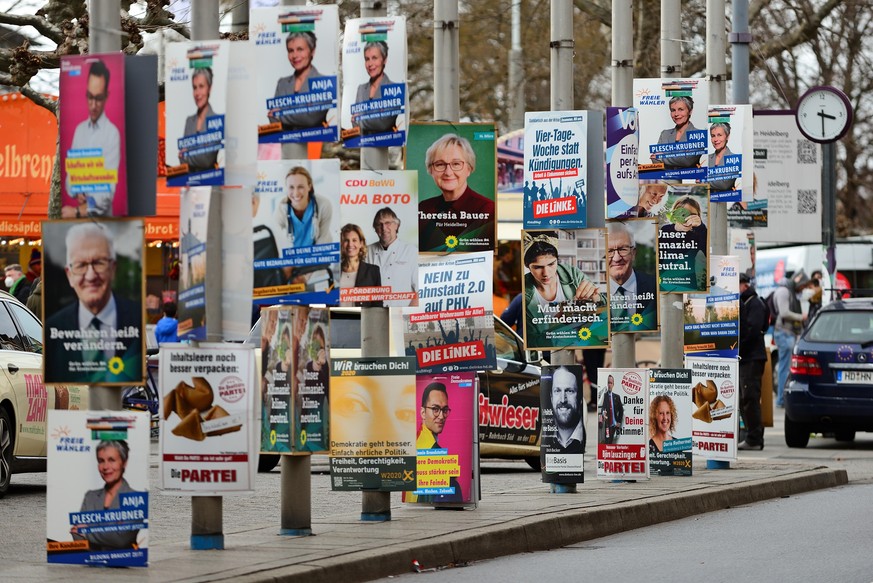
[{"x": 823, "y": 114}]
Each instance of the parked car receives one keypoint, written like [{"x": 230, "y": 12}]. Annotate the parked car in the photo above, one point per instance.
[
  {"x": 24, "y": 400},
  {"x": 830, "y": 388}
]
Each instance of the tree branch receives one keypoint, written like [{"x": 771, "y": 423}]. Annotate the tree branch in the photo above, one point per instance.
[
  {"x": 43, "y": 26},
  {"x": 38, "y": 98},
  {"x": 592, "y": 8}
]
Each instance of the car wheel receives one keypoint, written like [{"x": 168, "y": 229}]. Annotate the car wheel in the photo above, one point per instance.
[
  {"x": 7, "y": 444},
  {"x": 844, "y": 435},
  {"x": 534, "y": 462},
  {"x": 268, "y": 461},
  {"x": 796, "y": 434}
]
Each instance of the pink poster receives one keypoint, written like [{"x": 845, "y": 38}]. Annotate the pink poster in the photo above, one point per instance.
[{"x": 93, "y": 158}]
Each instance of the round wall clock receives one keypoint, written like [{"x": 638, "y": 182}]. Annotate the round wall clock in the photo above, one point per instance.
[{"x": 824, "y": 114}]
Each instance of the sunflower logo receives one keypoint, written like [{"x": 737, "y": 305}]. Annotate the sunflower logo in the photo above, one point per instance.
[
  {"x": 302, "y": 437},
  {"x": 116, "y": 365},
  {"x": 451, "y": 241},
  {"x": 637, "y": 319},
  {"x": 584, "y": 333},
  {"x": 272, "y": 437}
]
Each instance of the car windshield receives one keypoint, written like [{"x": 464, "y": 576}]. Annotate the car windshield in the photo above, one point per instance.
[{"x": 848, "y": 326}]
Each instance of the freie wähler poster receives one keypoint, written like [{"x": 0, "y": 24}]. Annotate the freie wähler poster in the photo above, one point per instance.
[
  {"x": 92, "y": 136},
  {"x": 562, "y": 408},
  {"x": 622, "y": 423},
  {"x": 452, "y": 329},
  {"x": 729, "y": 166},
  {"x": 444, "y": 439},
  {"x": 372, "y": 435},
  {"x": 297, "y": 48},
  {"x": 555, "y": 169},
  {"x": 673, "y": 124},
  {"x": 209, "y": 431},
  {"x": 633, "y": 275},
  {"x": 683, "y": 240},
  {"x": 566, "y": 299},
  {"x": 379, "y": 214},
  {"x": 374, "y": 101},
  {"x": 197, "y": 102},
  {"x": 95, "y": 456},
  {"x": 712, "y": 321},
  {"x": 715, "y": 394},
  {"x": 622, "y": 174},
  {"x": 193, "y": 219},
  {"x": 670, "y": 422},
  {"x": 296, "y": 221}
]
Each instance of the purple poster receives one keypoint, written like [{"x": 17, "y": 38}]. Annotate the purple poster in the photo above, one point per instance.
[{"x": 622, "y": 178}]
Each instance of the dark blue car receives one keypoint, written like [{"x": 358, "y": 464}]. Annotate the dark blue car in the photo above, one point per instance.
[{"x": 830, "y": 388}]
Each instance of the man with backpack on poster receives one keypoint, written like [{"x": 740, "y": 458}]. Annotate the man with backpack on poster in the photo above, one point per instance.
[
  {"x": 788, "y": 325},
  {"x": 754, "y": 322}
]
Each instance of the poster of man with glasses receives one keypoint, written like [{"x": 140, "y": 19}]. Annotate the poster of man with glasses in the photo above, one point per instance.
[
  {"x": 93, "y": 309},
  {"x": 633, "y": 275}
]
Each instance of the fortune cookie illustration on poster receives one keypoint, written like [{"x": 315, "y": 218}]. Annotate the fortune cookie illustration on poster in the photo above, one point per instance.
[
  {"x": 198, "y": 417},
  {"x": 709, "y": 407}
]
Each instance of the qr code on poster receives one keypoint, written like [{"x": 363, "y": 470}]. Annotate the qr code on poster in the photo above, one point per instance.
[
  {"x": 806, "y": 152},
  {"x": 806, "y": 202}
]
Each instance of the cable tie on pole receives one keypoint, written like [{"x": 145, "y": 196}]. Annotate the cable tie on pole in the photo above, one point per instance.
[
  {"x": 567, "y": 43},
  {"x": 624, "y": 63},
  {"x": 446, "y": 24}
]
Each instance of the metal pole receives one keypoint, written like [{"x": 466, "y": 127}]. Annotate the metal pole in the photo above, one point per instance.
[
  {"x": 716, "y": 43},
  {"x": 740, "y": 39},
  {"x": 239, "y": 16},
  {"x": 375, "y": 506},
  {"x": 516, "y": 72},
  {"x": 207, "y": 532},
  {"x": 446, "y": 47},
  {"x": 829, "y": 213}
]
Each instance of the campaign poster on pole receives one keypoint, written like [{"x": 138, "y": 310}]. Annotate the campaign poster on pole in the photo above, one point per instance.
[
  {"x": 92, "y": 133},
  {"x": 457, "y": 173},
  {"x": 622, "y": 164},
  {"x": 295, "y": 379},
  {"x": 741, "y": 242},
  {"x": 209, "y": 430},
  {"x": 97, "y": 502},
  {"x": 565, "y": 289},
  {"x": 673, "y": 124},
  {"x": 683, "y": 241},
  {"x": 191, "y": 299},
  {"x": 444, "y": 442},
  {"x": 379, "y": 238},
  {"x": 555, "y": 169},
  {"x": 670, "y": 422},
  {"x": 562, "y": 441},
  {"x": 712, "y": 321},
  {"x": 622, "y": 424},
  {"x": 452, "y": 329},
  {"x": 633, "y": 275},
  {"x": 374, "y": 103},
  {"x": 93, "y": 302},
  {"x": 372, "y": 424},
  {"x": 297, "y": 50},
  {"x": 715, "y": 396},
  {"x": 196, "y": 71},
  {"x": 296, "y": 218},
  {"x": 730, "y": 163}
]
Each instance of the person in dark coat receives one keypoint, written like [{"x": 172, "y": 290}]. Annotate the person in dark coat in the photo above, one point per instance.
[{"x": 753, "y": 357}]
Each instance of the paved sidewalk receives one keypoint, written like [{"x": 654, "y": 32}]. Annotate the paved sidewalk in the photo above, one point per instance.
[{"x": 347, "y": 550}]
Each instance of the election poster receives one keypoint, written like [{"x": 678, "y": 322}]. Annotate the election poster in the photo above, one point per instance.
[
  {"x": 209, "y": 428},
  {"x": 191, "y": 299},
  {"x": 97, "y": 501},
  {"x": 452, "y": 329},
  {"x": 295, "y": 376},
  {"x": 444, "y": 439},
  {"x": 673, "y": 124},
  {"x": 196, "y": 138},
  {"x": 509, "y": 412},
  {"x": 633, "y": 275},
  {"x": 715, "y": 397},
  {"x": 379, "y": 238},
  {"x": 375, "y": 106},
  {"x": 565, "y": 289},
  {"x": 92, "y": 136},
  {"x": 372, "y": 432},
  {"x": 296, "y": 226},
  {"x": 555, "y": 169},
  {"x": 622, "y": 422},
  {"x": 683, "y": 240},
  {"x": 93, "y": 302},
  {"x": 562, "y": 409},
  {"x": 729, "y": 165},
  {"x": 622, "y": 175},
  {"x": 741, "y": 243},
  {"x": 712, "y": 321},
  {"x": 670, "y": 422},
  {"x": 297, "y": 49},
  {"x": 457, "y": 174}
]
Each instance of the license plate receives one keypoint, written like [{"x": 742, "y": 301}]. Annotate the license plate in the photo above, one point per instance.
[{"x": 862, "y": 377}]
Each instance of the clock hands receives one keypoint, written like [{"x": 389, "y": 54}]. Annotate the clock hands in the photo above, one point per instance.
[{"x": 824, "y": 115}]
